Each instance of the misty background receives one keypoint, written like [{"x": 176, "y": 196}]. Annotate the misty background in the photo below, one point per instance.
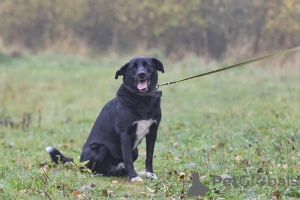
[{"x": 206, "y": 28}]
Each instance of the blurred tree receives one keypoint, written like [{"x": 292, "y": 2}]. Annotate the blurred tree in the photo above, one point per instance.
[
  {"x": 205, "y": 27},
  {"x": 283, "y": 24}
]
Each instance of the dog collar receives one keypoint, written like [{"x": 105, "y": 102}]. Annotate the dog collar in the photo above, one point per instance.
[{"x": 153, "y": 93}]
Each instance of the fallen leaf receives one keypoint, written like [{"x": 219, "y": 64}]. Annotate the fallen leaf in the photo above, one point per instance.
[
  {"x": 28, "y": 166},
  {"x": 180, "y": 196},
  {"x": 189, "y": 174},
  {"x": 104, "y": 193},
  {"x": 150, "y": 190},
  {"x": 44, "y": 170},
  {"x": 41, "y": 194},
  {"x": 275, "y": 195},
  {"x": 138, "y": 181},
  {"x": 260, "y": 170},
  {"x": 110, "y": 192},
  {"x": 267, "y": 137},
  {"x": 115, "y": 182},
  {"x": 80, "y": 196},
  {"x": 75, "y": 193},
  {"x": 238, "y": 158},
  {"x": 213, "y": 147},
  {"x": 181, "y": 175},
  {"x": 143, "y": 193},
  {"x": 245, "y": 161},
  {"x": 22, "y": 191},
  {"x": 176, "y": 158},
  {"x": 87, "y": 186}
]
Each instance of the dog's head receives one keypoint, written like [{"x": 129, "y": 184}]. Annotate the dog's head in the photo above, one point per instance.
[{"x": 140, "y": 74}]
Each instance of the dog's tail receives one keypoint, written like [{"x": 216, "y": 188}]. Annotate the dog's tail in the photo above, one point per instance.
[{"x": 56, "y": 155}]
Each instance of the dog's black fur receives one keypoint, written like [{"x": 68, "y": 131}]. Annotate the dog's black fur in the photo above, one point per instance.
[{"x": 111, "y": 145}]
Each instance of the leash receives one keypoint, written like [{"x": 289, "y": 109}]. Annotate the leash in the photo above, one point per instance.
[{"x": 233, "y": 66}]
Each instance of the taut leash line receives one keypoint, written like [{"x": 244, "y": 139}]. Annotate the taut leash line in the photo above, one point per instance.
[{"x": 233, "y": 66}]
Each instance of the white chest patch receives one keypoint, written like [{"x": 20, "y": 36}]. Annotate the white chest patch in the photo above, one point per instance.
[{"x": 142, "y": 130}]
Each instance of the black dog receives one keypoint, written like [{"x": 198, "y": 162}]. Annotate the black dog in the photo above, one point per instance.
[{"x": 133, "y": 114}]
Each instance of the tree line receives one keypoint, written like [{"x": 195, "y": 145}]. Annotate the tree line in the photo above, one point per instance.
[{"x": 204, "y": 27}]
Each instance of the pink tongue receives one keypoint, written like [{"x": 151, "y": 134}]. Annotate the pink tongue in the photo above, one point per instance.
[{"x": 142, "y": 85}]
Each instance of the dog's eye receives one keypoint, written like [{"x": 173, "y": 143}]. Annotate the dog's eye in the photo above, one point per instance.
[
  {"x": 146, "y": 65},
  {"x": 134, "y": 66}
]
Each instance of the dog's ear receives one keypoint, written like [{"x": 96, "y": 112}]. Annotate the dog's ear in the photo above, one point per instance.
[
  {"x": 158, "y": 64},
  {"x": 121, "y": 71}
]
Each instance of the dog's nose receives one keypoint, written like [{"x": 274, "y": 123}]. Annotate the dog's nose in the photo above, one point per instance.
[{"x": 142, "y": 74}]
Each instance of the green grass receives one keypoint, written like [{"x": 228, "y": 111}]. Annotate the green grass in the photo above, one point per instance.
[{"x": 238, "y": 122}]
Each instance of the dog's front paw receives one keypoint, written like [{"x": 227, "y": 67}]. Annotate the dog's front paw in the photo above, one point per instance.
[
  {"x": 136, "y": 179},
  {"x": 151, "y": 175}
]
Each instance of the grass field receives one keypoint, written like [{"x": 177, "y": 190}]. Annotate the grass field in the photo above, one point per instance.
[{"x": 239, "y": 122}]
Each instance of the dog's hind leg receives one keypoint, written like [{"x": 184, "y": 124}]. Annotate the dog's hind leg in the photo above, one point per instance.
[{"x": 96, "y": 155}]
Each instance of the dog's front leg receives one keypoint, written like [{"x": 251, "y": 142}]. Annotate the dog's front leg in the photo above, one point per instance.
[
  {"x": 127, "y": 157},
  {"x": 150, "y": 142}
]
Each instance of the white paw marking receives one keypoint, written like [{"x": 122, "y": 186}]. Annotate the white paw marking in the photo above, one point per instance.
[
  {"x": 136, "y": 179},
  {"x": 151, "y": 175}
]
